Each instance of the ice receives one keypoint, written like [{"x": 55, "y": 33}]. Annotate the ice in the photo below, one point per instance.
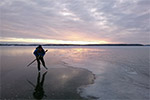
[
  {"x": 117, "y": 78},
  {"x": 121, "y": 73}
]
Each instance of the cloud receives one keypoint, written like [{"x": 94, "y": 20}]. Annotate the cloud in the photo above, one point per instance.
[{"x": 121, "y": 21}]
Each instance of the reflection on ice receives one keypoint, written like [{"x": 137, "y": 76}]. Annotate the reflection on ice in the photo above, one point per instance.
[
  {"x": 61, "y": 81},
  {"x": 39, "y": 90},
  {"x": 121, "y": 73}
]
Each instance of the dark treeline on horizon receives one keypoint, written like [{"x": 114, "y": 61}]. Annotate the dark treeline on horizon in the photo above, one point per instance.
[{"x": 73, "y": 45}]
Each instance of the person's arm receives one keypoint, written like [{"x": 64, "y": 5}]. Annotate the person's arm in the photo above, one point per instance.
[
  {"x": 35, "y": 53},
  {"x": 43, "y": 53}
]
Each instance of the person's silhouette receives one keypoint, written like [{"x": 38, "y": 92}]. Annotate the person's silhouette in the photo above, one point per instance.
[
  {"x": 39, "y": 54},
  {"x": 39, "y": 91}
]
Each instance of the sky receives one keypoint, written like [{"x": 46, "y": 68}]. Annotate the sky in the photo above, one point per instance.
[{"x": 75, "y": 21}]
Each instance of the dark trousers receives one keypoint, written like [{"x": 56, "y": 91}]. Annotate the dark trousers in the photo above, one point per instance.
[{"x": 38, "y": 61}]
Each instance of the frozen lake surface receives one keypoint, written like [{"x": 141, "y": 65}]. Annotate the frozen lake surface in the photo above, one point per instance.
[{"x": 87, "y": 73}]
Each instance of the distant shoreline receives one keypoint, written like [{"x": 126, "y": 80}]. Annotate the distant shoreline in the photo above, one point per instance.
[{"x": 73, "y": 45}]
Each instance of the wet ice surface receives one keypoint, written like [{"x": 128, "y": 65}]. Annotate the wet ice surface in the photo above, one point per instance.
[
  {"x": 21, "y": 82},
  {"x": 122, "y": 73}
]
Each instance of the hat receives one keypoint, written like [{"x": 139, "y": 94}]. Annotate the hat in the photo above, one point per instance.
[{"x": 39, "y": 46}]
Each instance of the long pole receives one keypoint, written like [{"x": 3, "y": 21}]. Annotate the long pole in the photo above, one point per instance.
[
  {"x": 34, "y": 60},
  {"x": 31, "y": 62}
]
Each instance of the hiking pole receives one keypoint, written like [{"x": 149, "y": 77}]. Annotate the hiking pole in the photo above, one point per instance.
[{"x": 34, "y": 60}]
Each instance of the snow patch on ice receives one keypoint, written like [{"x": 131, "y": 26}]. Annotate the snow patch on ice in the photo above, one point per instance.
[
  {"x": 99, "y": 88},
  {"x": 112, "y": 81}
]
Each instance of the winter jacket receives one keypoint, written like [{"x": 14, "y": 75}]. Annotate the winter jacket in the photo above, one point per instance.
[{"x": 38, "y": 53}]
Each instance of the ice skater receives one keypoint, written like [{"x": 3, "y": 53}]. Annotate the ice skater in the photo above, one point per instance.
[{"x": 39, "y": 54}]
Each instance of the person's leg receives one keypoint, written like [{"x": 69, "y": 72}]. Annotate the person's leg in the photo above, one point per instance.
[
  {"x": 43, "y": 62},
  {"x": 43, "y": 78},
  {"x": 38, "y": 61}
]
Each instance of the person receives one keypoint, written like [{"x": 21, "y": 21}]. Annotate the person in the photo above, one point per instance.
[{"x": 39, "y": 53}]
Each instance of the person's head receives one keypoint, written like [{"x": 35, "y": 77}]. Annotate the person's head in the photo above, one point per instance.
[
  {"x": 38, "y": 94},
  {"x": 40, "y": 46}
]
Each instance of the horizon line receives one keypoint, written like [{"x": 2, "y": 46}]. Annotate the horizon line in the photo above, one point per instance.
[{"x": 109, "y": 44}]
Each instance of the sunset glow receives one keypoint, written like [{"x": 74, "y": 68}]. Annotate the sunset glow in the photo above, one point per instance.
[
  {"x": 49, "y": 41},
  {"x": 75, "y": 21}
]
